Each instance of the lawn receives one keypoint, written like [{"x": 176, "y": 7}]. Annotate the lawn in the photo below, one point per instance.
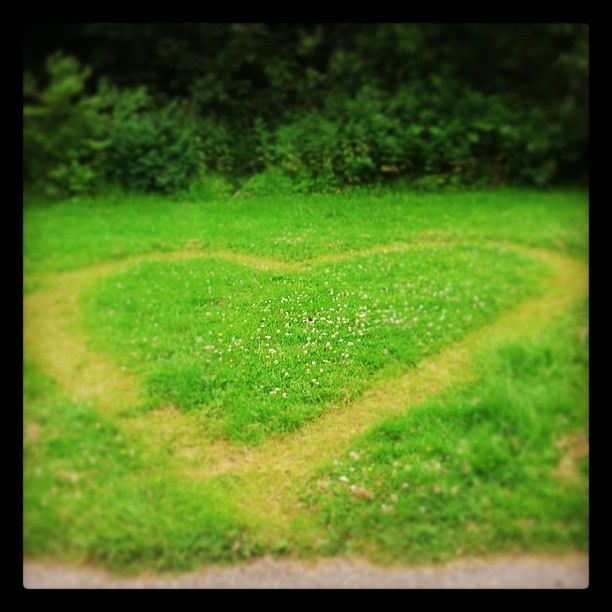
[{"x": 397, "y": 375}]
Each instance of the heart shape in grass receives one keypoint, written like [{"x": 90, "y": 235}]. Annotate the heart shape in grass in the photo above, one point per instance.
[{"x": 263, "y": 352}]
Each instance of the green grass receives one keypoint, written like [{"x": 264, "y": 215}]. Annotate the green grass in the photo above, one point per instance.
[
  {"x": 68, "y": 235},
  {"x": 491, "y": 463},
  {"x": 265, "y": 352},
  {"x": 91, "y": 493},
  {"x": 477, "y": 469}
]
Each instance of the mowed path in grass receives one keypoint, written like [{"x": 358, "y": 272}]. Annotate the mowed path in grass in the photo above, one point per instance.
[{"x": 266, "y": 477}]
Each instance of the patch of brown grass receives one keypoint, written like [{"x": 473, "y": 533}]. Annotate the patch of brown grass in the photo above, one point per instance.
[{"x": 574, "y": 447}]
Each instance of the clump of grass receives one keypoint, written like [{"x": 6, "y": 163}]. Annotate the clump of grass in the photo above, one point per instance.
[{"x": 478, "y": 469}]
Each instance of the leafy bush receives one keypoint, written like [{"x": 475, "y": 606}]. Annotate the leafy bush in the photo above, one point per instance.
[
  {"x": 213, "y": 141},
  {"x": 327, "y": 105},
  {"x": 75, "y": 142},
  {"x": 64, "y": 132},
  {"x": 434, "y": 136},
  {"x": 152, "y": 151}
]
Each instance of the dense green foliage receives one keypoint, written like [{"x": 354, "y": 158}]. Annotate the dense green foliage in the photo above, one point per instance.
[
  {"x": 311, "y": 106},
  {"x": 75, "y": 142},
  {"x": 64, "y": 133},
  {"x": 152, "y": 151}
]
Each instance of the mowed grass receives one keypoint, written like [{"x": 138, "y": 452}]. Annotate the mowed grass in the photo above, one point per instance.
[
  {"x": 264, "y": 352},
  {"x": 70, "y": 234},
  {"x": 495, "y": 465},
  {"x": 498, "y": 465},
  {"x": 93, "y": 494}
]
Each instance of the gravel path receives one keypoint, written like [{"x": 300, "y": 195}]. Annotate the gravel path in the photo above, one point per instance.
[{"x": 528, "y": 572}]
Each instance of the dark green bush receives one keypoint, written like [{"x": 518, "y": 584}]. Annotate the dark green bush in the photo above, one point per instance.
[
  {"x": 326, "y": 105},
  {"x": 214, "y": 143},
  {"x": 65, "y": 131},
  {"x": 75, "y": 142},
  {"x": 152, "y": 151},
  {"x": 435, "y": 136}
]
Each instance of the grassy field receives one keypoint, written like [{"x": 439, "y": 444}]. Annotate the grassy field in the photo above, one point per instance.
[{"x": 401, "y": 376}]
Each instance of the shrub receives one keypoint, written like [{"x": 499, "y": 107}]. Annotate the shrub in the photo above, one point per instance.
[
  {"x": 75, "y": 142},
  {"x": 439, "y": 135},
  {"x": 65, "y": 130},
  {"x": 213, "y": 141},
  {"x": 327, "y": 106},
  {"x": 152, "y": 151}
]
